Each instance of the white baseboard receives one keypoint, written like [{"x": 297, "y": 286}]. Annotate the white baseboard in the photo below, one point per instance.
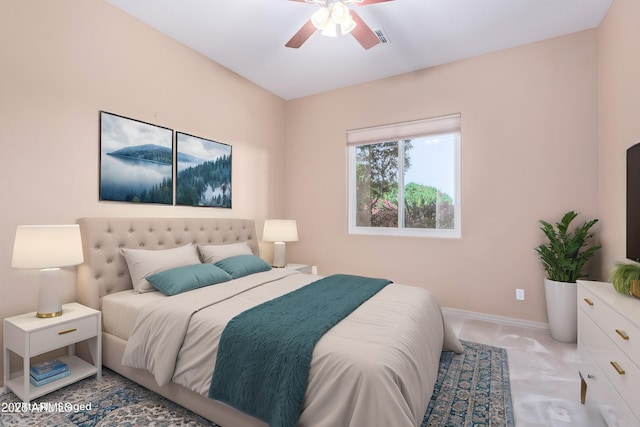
[{"x": 492, "y": 318}]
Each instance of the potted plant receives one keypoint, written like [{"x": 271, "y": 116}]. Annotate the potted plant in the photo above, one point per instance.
[
  {"x": 563, "y": 258},
  {"x": 625, "y": 279}
]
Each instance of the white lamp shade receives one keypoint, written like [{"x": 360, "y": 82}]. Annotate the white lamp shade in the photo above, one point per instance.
[
  {"x": 47, "y": 246},
  {"x": 280, "y": 230}
]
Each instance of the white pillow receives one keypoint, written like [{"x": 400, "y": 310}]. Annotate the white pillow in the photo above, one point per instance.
[
  {"x": 143, "y": 263},
  {"x": 215, "y": 253}
]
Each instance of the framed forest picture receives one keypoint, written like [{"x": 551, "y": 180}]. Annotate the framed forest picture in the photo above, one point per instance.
[
  {"x": 203, "y": 172},
  {"x": 136, "y": 161}
]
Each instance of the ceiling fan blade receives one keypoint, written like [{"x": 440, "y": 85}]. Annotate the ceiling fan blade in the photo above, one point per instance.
[
  {"x": 365, "y": 36},
  {"x": 302, "y": 35},
  {"x": 362, "y": 2}
]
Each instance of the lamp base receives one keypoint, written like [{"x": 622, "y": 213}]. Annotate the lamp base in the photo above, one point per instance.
[
  {"x": 49, "y": 296},
  {"x": 279, "y": 255},
  {"x": 49, "y": 315}
]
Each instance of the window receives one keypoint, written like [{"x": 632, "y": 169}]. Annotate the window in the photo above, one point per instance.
[{"x": 404, "y": 179}]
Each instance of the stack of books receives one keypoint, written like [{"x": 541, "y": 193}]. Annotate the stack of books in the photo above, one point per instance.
[{"x": 46, "y": 372}]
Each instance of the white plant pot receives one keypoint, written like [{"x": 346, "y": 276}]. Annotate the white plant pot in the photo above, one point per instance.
[{"x": 562, "y": 310}]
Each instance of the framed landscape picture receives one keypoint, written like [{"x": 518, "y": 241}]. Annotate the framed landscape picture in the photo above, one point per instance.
[
  {"x": 203, "y": 172},
  {"x": 136, "y": 161}
]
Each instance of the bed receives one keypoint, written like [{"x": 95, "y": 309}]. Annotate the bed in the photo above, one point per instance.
[{"x": 377, "y": 366}]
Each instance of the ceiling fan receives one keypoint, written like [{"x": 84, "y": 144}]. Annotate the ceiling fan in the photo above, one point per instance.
[{"x": 334, "y": 13}]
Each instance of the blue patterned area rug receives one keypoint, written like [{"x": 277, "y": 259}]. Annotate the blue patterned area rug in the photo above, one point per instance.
[{"x": 472, "y": 390}]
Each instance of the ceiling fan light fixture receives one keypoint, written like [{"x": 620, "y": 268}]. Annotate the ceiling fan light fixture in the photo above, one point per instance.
[
  {"x": 340, "y": 12},
  {"x": 348, "y": 26},
  {"x": 330, "y": 29},
  {"x": 333, "y": 13},
  {"x": 320, "y": 18},
  {"x": 342, "y": 16}
]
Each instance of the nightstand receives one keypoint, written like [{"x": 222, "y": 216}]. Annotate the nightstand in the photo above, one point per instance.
[
  {"x": 28, "y": 336},
  {"x": 302, "y": 268}
]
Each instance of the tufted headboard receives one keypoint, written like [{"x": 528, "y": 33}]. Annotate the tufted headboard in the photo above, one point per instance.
[{"x": 105, "y": 271}]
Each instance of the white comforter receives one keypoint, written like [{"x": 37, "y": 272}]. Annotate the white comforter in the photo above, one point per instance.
[{"x": 378, "y": 366}]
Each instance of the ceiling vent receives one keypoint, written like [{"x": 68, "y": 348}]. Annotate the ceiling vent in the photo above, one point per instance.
[{"x": 382, "y": 36}]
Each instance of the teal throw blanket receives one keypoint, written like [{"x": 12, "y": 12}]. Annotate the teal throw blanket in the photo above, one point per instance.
[{"x": 264, "y": 354}]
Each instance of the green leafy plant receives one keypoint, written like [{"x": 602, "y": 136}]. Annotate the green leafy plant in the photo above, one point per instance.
[
  {"x": 567, "y": 252},
  {"x": 622, "y": 276}
]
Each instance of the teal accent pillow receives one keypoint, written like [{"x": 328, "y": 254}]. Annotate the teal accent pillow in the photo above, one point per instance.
[
  {"x": 243, "y": 265},
  {"x": 181, "y": 279}
]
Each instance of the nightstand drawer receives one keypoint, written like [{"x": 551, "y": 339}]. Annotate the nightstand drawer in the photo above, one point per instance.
[{"x": 62, "y": 335}]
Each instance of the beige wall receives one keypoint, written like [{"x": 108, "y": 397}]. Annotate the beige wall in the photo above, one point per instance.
[
  {"x": 62, "y": 62},
  {"x": 619, "y": 119},
  {"x": 529, "y": 151}
]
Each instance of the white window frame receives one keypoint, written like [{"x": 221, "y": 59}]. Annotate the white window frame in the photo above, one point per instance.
[{"x": 450, "y": 124}]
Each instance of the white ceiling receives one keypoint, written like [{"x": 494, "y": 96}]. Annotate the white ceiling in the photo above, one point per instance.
[{"x": 248, "y": 36}]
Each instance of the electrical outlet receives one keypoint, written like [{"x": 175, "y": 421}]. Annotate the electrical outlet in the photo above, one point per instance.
[{"x": 520, "y": 294}]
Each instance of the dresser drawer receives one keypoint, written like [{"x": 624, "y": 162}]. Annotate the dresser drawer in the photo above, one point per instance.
[
  {"x": 625, "y": 376},
  {"x": 600, "y": 394},
  {"x": 621, "y": 331},
  {"x": 63, "y": 334}
]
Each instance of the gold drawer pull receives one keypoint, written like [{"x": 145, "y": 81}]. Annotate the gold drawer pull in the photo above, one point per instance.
[
  {"x": 68, "y": 331},
  {"x": 588, "y": 301},
  {"x": 622, "y": 334},
  {"x": 617, "y": 368}
]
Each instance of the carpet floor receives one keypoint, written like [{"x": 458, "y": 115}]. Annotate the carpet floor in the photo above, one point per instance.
[{"x": 472, "y": 390}]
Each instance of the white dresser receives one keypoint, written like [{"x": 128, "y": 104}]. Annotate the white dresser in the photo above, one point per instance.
[{"x": 609, "y": 348}]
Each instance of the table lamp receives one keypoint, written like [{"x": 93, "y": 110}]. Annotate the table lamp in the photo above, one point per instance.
[
  {"x": 280, "y": 231},
  {"x": 47, "y": 247}
]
